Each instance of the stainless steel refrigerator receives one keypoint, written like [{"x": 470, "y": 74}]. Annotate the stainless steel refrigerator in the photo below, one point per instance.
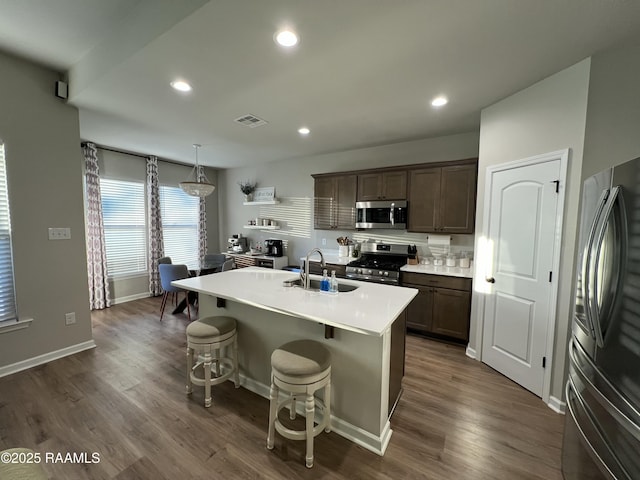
[{"x": 602, "y": 430}]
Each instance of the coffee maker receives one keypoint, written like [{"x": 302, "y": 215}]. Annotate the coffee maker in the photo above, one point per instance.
[
  {"x": 237, "y": 244},
  {"x": 273, "y": 247}
]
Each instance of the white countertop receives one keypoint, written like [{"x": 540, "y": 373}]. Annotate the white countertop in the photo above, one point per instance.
[
  {"x": 370, "y": 309},
  {"x": 440, "y": 270}
]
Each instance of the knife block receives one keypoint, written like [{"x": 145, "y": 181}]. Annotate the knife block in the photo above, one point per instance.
[{"x": 412, "y": 261}]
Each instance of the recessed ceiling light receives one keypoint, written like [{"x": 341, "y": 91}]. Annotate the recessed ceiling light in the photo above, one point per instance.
[
  {"x": 181, "y": 86},
  {"x": 286, "y": 38},
  {"x": 439, "y": 101},
  {"x": 304, "y": 131}
]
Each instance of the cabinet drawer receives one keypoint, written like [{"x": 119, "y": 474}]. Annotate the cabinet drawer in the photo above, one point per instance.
[{"x": 442, "y": 281}]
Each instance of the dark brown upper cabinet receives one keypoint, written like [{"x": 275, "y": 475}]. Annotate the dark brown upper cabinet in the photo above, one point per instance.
[
  {"x": 443, "y": 199},
  {"x": 382, "y": 186},
  {"x": 334, "y": 202}
]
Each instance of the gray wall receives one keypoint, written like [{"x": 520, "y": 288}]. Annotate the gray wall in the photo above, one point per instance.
[
  {"x": 44, "y": 163},
  {"x": 121, "y": 166},
  {"x": 613, "y": 116},
  {"x": 545, "y": 117},
  {"x": 294, "y": 185}
]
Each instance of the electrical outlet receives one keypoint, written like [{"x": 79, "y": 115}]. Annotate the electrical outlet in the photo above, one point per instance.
[
  {"x": 70, "y": 318},
  {"x": 59, "y": 233},
  {"x": 324, "y": 241}
]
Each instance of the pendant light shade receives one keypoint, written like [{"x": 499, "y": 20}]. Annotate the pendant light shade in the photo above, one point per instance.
[{"x": 201, "y": 187}]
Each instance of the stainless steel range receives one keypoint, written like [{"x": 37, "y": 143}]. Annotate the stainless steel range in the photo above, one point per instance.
[{"x": 379, "y": 262}]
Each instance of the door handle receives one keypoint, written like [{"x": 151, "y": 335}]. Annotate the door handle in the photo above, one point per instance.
[
  {"x": 490, "y": 280},
  {"x": 596, "y": 249},
  {"x": 587, "y": 294}
]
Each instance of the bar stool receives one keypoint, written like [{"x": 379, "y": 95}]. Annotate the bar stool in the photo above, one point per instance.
[
  {"x": 207, "y": 337},
  {"x": 300, "y": 367}
]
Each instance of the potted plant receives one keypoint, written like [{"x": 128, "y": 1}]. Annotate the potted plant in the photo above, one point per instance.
[{"x": 247, "y": 188}]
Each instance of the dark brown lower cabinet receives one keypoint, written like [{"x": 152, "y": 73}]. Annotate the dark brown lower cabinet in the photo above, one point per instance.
[{"x": 442, "y": 306}]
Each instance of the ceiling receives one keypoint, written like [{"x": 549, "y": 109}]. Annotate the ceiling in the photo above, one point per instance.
[{"x": 363, "y": 74}]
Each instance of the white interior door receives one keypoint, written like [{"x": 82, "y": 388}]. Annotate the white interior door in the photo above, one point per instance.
[{"x": 522, "y": 234}]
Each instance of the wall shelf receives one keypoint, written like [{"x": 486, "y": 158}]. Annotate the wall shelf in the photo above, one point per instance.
[
  {"x": 268, "y": 202},
  {"x": 261, "y": 227}
]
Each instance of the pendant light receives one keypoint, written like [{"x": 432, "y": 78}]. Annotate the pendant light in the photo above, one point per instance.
[{"x": 201, "y": 187}]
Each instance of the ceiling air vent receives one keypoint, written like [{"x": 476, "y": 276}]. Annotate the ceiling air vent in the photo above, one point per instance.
[{"x": 250, "y": 121}]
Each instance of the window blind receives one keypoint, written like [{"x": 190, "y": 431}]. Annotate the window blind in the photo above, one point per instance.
[
  {"x": 123, "y": 212},
  {"x": 180, "y": 214},
  {"x": 7, "y": 289}
]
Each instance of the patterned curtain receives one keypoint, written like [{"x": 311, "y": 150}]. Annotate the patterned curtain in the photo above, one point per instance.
[
  {"x": 202, "y": 224},
  {"x": 156, "y": 247},
  {"x": 99, "y": 296}
]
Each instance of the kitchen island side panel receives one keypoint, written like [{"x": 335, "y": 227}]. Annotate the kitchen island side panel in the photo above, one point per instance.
[{"x": 359, "y": 373}]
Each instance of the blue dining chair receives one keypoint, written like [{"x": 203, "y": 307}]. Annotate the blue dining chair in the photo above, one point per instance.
[
  {"x": 162, "y": 260},
  {"x": 168, "y": 273}
]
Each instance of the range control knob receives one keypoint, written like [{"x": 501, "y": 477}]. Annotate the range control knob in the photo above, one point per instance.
[{"x": 386, "y": 274}]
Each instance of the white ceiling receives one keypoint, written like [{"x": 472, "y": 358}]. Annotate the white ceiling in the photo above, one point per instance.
[{"x": 363, "y": 74}]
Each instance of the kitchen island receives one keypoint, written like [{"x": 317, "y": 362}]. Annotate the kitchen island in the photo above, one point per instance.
[{"x": 366, "y": 340}]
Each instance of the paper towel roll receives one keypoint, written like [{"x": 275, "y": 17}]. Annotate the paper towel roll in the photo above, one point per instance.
[{"x": 439, "y": 240}]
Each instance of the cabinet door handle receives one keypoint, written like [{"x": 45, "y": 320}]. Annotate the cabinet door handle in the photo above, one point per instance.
[{"x": 490, "y": 280}]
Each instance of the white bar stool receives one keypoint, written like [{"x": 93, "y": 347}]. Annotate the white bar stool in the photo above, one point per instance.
[
  {"x": 300, "y": 367},
  {"x": 207, "y": 337}
]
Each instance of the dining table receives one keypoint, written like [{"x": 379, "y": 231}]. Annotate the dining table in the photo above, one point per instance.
[{"x": 204, "y": 268}]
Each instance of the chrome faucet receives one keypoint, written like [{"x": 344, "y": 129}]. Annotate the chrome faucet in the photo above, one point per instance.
[{"x": 304, "y": 272}]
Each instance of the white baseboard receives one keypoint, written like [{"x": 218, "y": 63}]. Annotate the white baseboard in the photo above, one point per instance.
[
  {"x": 45, "y": 358},
  {"x": 557, "y": 405},
  {"x": 471, "y": 352},
  {"x": 129, "y": 298},
  {"x": 373, "y": 443}
]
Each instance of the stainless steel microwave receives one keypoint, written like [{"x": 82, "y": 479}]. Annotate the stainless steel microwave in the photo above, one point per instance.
[{"x": 384, "y": 214}]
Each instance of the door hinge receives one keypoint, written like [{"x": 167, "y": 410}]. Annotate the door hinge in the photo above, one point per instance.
[
  {"x": 544, "y": 362},
  {"x": 550, "y": 276},
  {"x": 557, "y": 182}
]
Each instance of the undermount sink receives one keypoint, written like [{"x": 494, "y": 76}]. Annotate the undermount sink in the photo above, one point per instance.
[{"x": 315, "y": 285}]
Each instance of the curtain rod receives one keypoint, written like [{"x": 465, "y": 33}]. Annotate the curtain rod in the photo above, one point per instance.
[{"x": 124, "y": 152}]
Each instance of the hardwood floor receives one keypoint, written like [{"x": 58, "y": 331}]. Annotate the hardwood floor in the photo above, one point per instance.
[{"x": 457, "y": 418}]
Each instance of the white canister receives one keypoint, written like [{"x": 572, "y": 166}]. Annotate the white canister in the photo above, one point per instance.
[
  {"x": 451, "y": 261},
  {"x": 464, "y": 260}
]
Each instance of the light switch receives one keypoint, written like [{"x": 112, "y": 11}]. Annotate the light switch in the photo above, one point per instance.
[{"x": 59, "y": 233}]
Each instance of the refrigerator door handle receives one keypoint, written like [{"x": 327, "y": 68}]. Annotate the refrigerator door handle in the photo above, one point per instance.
[
  {"x": 621, "y": 417},
  {"x": 586, "y": 262},
  {"x": 595, "y": 250},
  {"x": 572, "y": 397}
]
